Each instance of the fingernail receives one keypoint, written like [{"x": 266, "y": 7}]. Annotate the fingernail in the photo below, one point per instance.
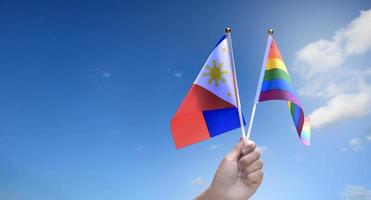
[
  {"x": 250, "y": 143},
  {"x": 244, "y": 151}
]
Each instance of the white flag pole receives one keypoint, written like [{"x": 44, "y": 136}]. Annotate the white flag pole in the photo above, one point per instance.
[
  {"x": 258, "y": 88},
  {"x": 236, "y": 91}
]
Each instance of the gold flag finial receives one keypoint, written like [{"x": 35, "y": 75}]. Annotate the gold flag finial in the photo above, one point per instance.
[
  {"x": 270, "y": 31},
  {"x": 228, "y": 30}
]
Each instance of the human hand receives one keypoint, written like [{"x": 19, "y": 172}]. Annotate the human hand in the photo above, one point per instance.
[{"x": 238, "y": 176}]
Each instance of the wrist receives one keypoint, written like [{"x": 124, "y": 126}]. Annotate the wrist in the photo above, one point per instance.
[{"x": 210, "y": 194}]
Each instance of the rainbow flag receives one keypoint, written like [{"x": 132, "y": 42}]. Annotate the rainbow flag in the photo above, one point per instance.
[
  {"x": 210, "y": 107},
  {"x": 277, "y": 85}
]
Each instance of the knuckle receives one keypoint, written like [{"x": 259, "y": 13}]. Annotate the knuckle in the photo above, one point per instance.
[
  {"x": 261, "y": 173},
  {"x": 242, "y": 162},
  {"x": 259, "y": 164},
  {"x": 251, "y": 176},
  {"x": 257, "y": 154},
  {"x": 250, "y": 147},
  {"x": 254, "y": 146}
]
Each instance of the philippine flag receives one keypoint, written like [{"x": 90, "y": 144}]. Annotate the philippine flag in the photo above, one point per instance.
[{"x": 210, "y": 107}]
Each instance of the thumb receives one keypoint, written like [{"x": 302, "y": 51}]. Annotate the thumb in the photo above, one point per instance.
[{"x": 235, "y": 153}]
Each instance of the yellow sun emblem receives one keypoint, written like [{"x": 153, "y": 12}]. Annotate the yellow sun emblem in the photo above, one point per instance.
[{"x": 215, "y": 73}]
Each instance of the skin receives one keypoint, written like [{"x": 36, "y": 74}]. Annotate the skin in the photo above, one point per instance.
[{"x": 238, "y": 176}]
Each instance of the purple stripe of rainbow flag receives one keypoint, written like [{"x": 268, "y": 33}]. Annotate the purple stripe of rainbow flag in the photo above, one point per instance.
[{"x": 277, "y": 85}]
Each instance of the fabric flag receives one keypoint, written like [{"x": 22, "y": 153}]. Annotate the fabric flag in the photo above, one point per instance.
[
  {"x": 277, "y": 85},
  {"x": 209, "y": 109}
]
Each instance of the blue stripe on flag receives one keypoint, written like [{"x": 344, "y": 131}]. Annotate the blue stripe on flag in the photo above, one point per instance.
[
  {"x": 277, "y": 84},
  {"x": 221, "y": 40},
  {"x": 295, "y": 117},
  {"x": 221, "y": 120}
]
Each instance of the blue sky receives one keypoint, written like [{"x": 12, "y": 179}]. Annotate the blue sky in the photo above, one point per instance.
[{"x": 87, "y": 91}]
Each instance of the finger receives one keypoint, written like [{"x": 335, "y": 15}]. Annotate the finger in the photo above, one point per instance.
[
  {"x": 255, "y": 177},
  {"x": 248, "y": 159},
  {"x": 248, "y": 147},
  {"x": 235, "y": 153},
  {"x": 256, "y": 165}
]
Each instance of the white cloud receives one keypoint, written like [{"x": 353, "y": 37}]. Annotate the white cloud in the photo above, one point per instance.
[
  {"x": 214, "y": 146},
  {"x": 324, "y": 55},
  {"x": 345, "y": 86},
  {"x": 262, "y": 149},
  {"x": 352, "y": 192},
  {"x": 316, "y": 87},
  {"x": 320, "y": 56},
  {"x": 357, "y": 35},
  {"x": 106, "y": 75},
  {"x": 355, "y": 144},
  {"x": 95, "y": 69},
  {"x": 198, "y": 181},
  {"x": 341, "y": 107},
  {"x": 178, "y": 75},
  {"x": 167, "y": 69}
]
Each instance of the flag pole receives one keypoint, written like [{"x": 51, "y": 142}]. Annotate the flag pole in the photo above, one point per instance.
[
  {"x": 260, "y": 81},
  {"x": 228, "y": 31}
]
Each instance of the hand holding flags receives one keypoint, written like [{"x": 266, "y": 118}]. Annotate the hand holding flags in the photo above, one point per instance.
[{"x": 212, "y": 105}]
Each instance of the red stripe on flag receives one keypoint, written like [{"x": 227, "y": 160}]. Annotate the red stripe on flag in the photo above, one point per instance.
[
  {"x": 200, "y": 99},
  {"x": 188, "y": 129},
  {"x": 274, "y": 52}
]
